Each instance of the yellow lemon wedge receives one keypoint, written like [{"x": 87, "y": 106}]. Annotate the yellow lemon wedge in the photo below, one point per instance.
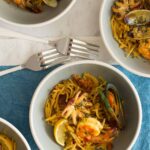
[
  {"x": 51, "y": 3},
  {"x": 89, "y": 127},
  {"x": 59, "y": 131}
]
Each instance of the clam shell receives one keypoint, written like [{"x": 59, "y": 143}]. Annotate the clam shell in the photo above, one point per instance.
[{"x": 138, "y": 17}]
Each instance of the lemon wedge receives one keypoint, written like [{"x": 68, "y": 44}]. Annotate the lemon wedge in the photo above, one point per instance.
[
  {"x": 51, "y": 3},
  {"x": 59, "y": 131}
]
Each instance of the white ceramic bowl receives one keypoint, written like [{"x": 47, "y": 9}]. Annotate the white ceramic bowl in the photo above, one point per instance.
[
  {"x": 15, "y": 134},
  {"x": 137, "y": 66},
  {"x": 43, "y": 134},
  {"x": 16, "y": 16}
]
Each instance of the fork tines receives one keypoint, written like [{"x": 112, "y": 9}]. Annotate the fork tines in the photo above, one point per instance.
[
  {"x": 49, "y": 56},
  {"x": 75, "y": 49},
  {"x": 84, "y": 45},
  {"x": 82, "y": 49}
]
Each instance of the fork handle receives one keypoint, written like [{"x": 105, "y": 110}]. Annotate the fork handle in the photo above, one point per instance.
[{"x": 7, "y": 71}]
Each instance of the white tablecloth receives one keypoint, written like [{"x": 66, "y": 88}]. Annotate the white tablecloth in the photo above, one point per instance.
[{"x": 16, "y": 51}]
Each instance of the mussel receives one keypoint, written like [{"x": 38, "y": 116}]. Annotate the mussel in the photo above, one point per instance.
[
  {"x": 51, "y": 3},
  {"x": 113, "y": 104},
  {"x": 138, "y": 17}
]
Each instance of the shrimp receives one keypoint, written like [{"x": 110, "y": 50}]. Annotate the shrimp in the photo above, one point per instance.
[
  {"x": 88, "y": 128},
  {"x": 144, "y": 49},
  {"x": 20, "y": 3},
  {"x": 106, "y": 137}
]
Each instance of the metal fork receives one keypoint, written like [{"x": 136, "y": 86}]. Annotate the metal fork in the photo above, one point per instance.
[
  {"x": 75, "y": 50},
  {"x": 67, "y": 44},
  {"x": 61, "y": 44}
]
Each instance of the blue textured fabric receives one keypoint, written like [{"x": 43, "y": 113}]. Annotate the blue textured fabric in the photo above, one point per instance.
[{"x": 16, "y": 91}]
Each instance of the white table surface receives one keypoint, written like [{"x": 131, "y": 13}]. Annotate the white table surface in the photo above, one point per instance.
[{"x": 82, "y": 20}]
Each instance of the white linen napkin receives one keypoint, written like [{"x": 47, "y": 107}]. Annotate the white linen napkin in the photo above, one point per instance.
[{"x": 15, "y": 51}]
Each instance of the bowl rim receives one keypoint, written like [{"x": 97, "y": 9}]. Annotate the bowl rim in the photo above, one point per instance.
[
  {"x": 104, "y": 39},
  {"x": 12, "y": 127},
  {"x": 79, "y": 63},
  {"x": 44, "y": 22}
]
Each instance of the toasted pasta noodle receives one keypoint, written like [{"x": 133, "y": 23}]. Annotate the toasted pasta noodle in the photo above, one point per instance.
[
  {"x": 125, "y": 34},
  {"x": 120, "y": 31},
  {"x": 84, "y": 90},
  {"x": 6, "y": 143}
]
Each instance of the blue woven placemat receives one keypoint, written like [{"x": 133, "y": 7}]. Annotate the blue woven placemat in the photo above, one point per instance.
[{"x": 16, "y": 91}]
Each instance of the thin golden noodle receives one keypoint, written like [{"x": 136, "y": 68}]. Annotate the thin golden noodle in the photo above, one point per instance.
[
  {"x": 130, "y": 38},
  {"x": 6, "y": 143},
  {"x": 77, "y": 100},
  {"x": 120, "y": 31}
]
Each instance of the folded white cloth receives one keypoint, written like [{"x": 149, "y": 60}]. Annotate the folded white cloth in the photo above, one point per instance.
[{"x": 15, "y": 51}]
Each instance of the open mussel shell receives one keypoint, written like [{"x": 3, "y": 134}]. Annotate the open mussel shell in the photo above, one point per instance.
[
  {"x": 51, "y": 3},
  {"x": 116, "y": 113},
  {"x": 138, "y": 17}
]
